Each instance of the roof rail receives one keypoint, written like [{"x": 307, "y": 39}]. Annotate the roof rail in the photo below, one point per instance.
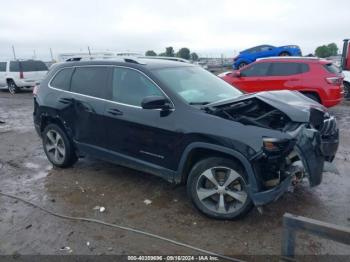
[
  {"x": 169, "y": 58},
  {"x": 126, "y": 59},
  {"x": 288, "y": 57}
]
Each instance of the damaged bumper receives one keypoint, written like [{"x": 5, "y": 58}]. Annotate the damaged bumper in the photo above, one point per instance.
[{"x": 313, "y": 147}]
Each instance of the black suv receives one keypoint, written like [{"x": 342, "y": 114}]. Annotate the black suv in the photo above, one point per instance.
[{"x": 186, "y": 125}]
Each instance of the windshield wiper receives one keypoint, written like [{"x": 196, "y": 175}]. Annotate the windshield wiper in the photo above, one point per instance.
[{"x": 199, "y": 103}]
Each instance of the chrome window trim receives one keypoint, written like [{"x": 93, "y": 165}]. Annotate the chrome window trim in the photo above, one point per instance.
[{"x": 102, "y": 99}]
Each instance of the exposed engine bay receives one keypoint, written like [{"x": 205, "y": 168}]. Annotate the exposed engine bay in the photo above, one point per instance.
[{"x": 255, "y": 112}]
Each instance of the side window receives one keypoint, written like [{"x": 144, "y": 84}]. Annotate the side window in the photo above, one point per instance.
[
  {"x": 130, "y": 87},
  {"x": 91, "y": 81},
  {"x": 2, "y": 66},
  {"x": 286, "y": 69},
  {"x": 259, "y": 69},
  {"x": 14, "y": 66},
  {"x": 62, "y": 79}
]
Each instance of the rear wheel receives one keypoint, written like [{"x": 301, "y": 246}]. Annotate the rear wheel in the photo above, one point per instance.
[
  {"x": 284, "y": 54},
  {"x": 218, "y": 188},
  {"x": 58, "y": 147},
  {"x": 12, "y": 87}
]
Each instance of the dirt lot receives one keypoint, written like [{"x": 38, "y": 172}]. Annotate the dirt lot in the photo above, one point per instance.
[{"x": 25, "y": 171}]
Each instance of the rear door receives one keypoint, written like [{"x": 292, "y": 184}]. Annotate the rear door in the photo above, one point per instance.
[
  {"x": 87, "y": 100},
  {"x": 252, "y": 77},
  {"x": 286, "y": 75},
  {"x": 2, "y": 74}
]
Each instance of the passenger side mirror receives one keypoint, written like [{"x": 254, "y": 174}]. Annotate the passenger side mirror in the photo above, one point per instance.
[
  {"x": 237, "y": 74},
  {"x": 155, "y": 102}
]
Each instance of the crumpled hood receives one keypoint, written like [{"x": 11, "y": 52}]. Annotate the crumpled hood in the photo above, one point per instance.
[{"x": 295, "y": 105}]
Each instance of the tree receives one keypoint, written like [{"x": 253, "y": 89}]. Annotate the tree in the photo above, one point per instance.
[
  {"x": 333, "y": 49},
  {"x": 162, "y": 54},
  {"x": 326, "y": 50},
  {"x": 194, "y": 56},
  {"x": 169, "y": 51},
  {"x": 184, "y": 53},
  {"x": 150, "y": 53}
]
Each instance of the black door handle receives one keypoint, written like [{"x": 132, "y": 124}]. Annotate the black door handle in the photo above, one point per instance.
[
  {"x": 115, "y": 112},
  {"x": 66, "y": 101}
]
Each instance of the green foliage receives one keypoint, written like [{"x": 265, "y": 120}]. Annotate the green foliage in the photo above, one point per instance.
[
  {"x": 169, "y": 51},
  {"x": 184, "y": 53},
  {"x": 194, "y": 56},
  {"x": 150, "y": 53},
  {"x": 326, "y": 50}
]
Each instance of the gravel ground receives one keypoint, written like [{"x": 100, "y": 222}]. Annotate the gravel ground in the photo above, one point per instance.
[{"x": 25, "y": 171}]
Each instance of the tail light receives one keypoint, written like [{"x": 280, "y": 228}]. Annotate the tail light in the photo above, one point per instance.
[
  {"x": 336, "y": 81},
  {"x": 36, "y": 89},
  {"x": 21, "y": 76}
]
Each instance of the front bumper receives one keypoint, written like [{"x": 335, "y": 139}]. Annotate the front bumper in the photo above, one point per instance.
[{"x": 314, "y": 147}]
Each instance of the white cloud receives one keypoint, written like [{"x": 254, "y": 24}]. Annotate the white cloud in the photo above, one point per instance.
[{"x": 208, "y": 27}]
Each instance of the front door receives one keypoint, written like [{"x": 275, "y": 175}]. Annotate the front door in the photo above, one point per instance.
[
  {"x": 143, "y": 134},
  {"x": 253, "y": 78}
]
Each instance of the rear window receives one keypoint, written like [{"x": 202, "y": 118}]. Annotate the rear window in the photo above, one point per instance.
[
  {"x": 286, "y": 69},
  {"x": 91, "y": 81},
  {"x": 27, "y": 66},
  {"x": 331, "y": 68},
  {"x": 2, "y": 66},
  {"x": 62, "y": 79},
  {"x": 30, "y": 66}
]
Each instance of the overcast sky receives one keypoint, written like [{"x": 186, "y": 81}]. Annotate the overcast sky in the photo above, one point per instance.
[{"x": 209, "y": 27}]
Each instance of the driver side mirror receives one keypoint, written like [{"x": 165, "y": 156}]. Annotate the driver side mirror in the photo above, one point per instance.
[{"x": 155, "y": 102}]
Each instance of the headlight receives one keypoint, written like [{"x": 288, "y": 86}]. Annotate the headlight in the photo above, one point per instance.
[{"x": 276, "y": 145}]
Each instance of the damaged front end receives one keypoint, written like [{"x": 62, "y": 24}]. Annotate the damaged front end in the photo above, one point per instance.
[{"x": 312, "y": 137}]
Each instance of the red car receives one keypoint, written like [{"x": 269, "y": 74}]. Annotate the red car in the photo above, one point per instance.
[{"x": 316, "y": 78}]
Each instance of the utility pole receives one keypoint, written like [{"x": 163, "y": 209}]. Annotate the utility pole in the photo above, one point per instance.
[
  {"x": 51, "y": 54},
  {"x": 34, "y": 54},
  {"x": 89, "y": 51},
  {"x": 14, "y": 53}
]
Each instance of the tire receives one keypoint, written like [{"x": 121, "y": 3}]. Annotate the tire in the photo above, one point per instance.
[
  {"x": 284, "y": 54},
  {"x": 12, "y": 87},
  {"x": 313, "y": 97},
  {"x": 242, "y": 64},
  {"x": 216, "y": 199},
  {"x": 346, "y": 90},
  {"x": 58, "y": 147}
]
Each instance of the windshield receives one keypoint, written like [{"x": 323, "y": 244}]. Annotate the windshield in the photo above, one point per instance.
[{"x": 196, "y": 85}]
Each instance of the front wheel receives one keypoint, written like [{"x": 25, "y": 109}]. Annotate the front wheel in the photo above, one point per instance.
[
  {"x": 284, "y": 54},
  {"x": 12, "y": 87},
  {"x": 218, "y": 188},
  {"x": 242, "y": 64},
  {"x": 347, "y": 90},
  {"x": 58, "y": 147}
]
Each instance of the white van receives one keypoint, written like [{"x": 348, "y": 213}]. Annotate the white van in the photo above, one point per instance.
[{"x": 21, "y": 73}]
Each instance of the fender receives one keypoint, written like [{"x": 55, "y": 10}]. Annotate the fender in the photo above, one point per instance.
[{"x": 252, "y": 182}]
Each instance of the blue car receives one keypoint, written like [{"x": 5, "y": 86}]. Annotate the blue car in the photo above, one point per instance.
[{"x": 250, "y": 55}]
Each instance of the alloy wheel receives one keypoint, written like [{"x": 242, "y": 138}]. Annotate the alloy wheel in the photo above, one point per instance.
[
  {"x": 12, "y": 88},
  {"x": 55, "y": 147},
  {"x": 221, "y": 190}
]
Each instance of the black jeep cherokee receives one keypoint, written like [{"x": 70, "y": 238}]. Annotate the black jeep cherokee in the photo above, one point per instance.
[{"x": 184, "y": 124}]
